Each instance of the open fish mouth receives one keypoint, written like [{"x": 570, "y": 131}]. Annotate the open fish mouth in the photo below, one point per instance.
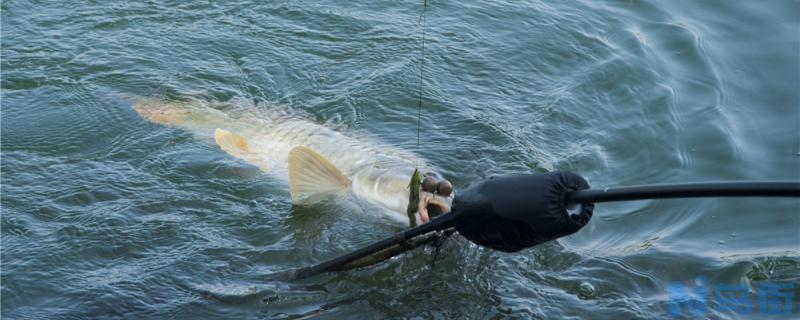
[{"x": 432, "y": 205}]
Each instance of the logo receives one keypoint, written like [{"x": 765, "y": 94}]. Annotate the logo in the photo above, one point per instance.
[{"x": 766, "y": 298}]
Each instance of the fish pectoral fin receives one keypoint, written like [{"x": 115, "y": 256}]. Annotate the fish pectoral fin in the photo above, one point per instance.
[
  {"x": 311, "y": 174},
  {"x": 231, "y": 143},
  {"x": 237, "y": 146}
]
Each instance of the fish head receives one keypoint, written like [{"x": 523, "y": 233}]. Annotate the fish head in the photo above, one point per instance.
[{"x": 432, "y": 204}]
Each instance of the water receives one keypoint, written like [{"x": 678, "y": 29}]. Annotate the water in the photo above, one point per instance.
[{"x": 107, "y": 215}]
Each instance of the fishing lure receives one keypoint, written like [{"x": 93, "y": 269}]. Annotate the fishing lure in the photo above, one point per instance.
[{"x": 413, "y": 197}]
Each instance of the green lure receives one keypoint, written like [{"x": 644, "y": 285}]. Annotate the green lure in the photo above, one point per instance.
[{"x": 413, "y": 198}]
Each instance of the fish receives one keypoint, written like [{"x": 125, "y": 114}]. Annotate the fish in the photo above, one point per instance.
[{"x": 314, "y": 160}]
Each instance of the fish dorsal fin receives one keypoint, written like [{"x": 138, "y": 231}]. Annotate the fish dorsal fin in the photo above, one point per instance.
[
  {"x": 231, "y": 142},
  {"x": 311, "y": 174}
]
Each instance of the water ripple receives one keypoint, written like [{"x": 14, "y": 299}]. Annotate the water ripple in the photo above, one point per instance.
[{"x": 105, "y": 215}]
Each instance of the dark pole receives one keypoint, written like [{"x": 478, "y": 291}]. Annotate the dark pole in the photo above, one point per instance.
[
  {"x": 765, "y": 188},
  {"x": 437, "y": 224},
  {"x": 496, "y": 209}
]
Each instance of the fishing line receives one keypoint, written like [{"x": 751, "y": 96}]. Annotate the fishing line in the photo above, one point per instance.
[{"x": 421, "y": 70}]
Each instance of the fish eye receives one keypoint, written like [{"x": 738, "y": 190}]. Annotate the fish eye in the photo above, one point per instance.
[
  {"x": 444, "y": 188},
  {"x": 429, "y": 184}
]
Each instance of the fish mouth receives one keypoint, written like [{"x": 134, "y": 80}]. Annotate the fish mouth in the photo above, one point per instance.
[{"x": 432, "y": 205}]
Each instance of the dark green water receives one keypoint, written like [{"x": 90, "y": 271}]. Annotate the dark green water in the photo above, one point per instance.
[{"x": 106, "y": 215}]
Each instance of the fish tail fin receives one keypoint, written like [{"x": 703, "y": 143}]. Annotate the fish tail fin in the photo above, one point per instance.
[
  {"x": 165, "y": 113},
  {"x": 311, "y": 174},
  {"x": 231, "y": 143}
]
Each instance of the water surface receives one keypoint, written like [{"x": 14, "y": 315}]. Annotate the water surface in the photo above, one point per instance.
[{"x": 107, "y": 215}]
